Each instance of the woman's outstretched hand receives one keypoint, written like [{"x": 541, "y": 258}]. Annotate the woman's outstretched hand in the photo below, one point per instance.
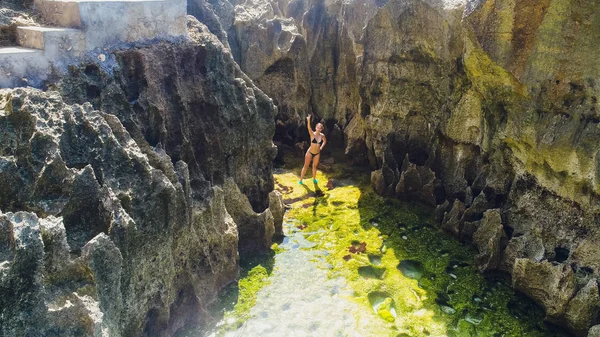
[{"x": 308, "y": 117}]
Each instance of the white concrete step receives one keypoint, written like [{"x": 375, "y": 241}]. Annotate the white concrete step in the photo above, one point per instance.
[
  {"x": 17, "y": 63},
  {"x": 56, "y": 42},
  {"x": 19, "y": 52},
  {"x": 107, "y": 22}
]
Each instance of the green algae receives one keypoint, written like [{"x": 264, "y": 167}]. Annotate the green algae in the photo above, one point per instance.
[
  {"x": 248, "y": 288},
  {"x": 488, "y": 78},
  {"x": 448, "y": 298}
]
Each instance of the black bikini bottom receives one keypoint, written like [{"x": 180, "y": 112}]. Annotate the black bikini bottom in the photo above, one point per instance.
[{"x": 314, "y": 154}]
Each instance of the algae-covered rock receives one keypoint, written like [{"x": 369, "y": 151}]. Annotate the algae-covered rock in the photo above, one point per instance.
[
  {"x": 552, "y": 286},
  {"x": 465, "y": 124},
  {"x": 386, "y": 310}
]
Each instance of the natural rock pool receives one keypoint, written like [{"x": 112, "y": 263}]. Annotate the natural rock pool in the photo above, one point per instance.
[{"x": 355, "y": 264}]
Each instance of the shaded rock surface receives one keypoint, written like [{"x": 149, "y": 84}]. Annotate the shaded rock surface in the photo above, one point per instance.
[
  {"x": 552, "y": 286},
  {"x": 493, "y": 102},
  {"x": 487, "y": 238},
  {"x": 124, "y": 216},
  {"x": 583, "y": 309}
]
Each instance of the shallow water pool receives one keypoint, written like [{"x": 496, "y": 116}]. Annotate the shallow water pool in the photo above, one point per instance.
[{"x": 355, "y": 264}]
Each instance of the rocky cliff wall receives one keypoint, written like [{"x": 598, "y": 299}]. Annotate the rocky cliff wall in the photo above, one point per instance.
[
  {"x": 475, "y": 107},
  {"x": 125, "y": 216}
]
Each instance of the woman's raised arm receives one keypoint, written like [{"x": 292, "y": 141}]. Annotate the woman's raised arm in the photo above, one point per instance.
[{"x": 310, "y": 130}]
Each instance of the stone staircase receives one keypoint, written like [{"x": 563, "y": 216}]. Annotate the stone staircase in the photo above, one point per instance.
[{"x": 81, "y": 27}]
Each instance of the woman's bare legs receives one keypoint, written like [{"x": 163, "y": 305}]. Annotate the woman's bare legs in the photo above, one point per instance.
[
  {"x": 314, "y": 166},
  {"x": 307, "y": 159}
]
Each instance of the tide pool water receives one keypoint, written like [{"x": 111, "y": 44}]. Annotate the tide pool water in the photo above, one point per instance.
[{"x": 355, "y": 264}]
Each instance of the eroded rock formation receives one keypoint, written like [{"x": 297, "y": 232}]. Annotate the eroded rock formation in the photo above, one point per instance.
[
  {"x": 124, "y": 216},
  {"x": 486, "y": 109},
  {"x": 467, "y": 105}
]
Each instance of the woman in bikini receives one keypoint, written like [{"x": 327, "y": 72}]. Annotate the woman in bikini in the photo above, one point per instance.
[{"x": 317, "y": 143}]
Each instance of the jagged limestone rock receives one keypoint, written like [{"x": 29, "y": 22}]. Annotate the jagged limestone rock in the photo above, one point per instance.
[
  {"x": 255, "y": 230},
  {"x": 354, "y": 134},
  {"x": 85, "y": 215},
  {"x": 210, "y": 96},
  {"x": 140, "y": 174},
  {"x": 277, "y": 210},
  {"x": 410, "y": 181},
  {"x": 303, "y": 54},
  {"x": 468, "y": 196},
  {"x": 469, "y": 228},
  {"x": 587, "y": 253},
  {"x": 453, "y": 220},
  {"x": 21, "y": 276},
  {"x": 384, "y": 181},
  {"x": 77, "y": 316},
  {"x": 477, "y": 208},
  {"x": 417, "y": 182},
  {"x": 583, "y": 309},
  {"x": 487, "y": 239},
  {"x": 552, "y": 286},
  {"x": 216, "y": 15},
  {"x": 57, "y": 259},
  {"x": 105, "y": 261},
  {"x": 441, "y": 209},
  {"x": 530, "y": 246}
]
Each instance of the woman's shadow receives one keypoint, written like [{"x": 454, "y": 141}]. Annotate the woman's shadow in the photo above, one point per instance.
[{"x": 320, "y": 197}]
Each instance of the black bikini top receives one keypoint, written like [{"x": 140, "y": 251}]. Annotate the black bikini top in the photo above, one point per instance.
[{"x": 315, "y": 141}]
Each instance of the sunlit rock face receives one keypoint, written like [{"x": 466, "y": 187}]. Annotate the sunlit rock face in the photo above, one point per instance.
[
  {"x": 126, "y": 215},
  {"x": 498, "y": 99},
  {"x": 302, "y": 53}
]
